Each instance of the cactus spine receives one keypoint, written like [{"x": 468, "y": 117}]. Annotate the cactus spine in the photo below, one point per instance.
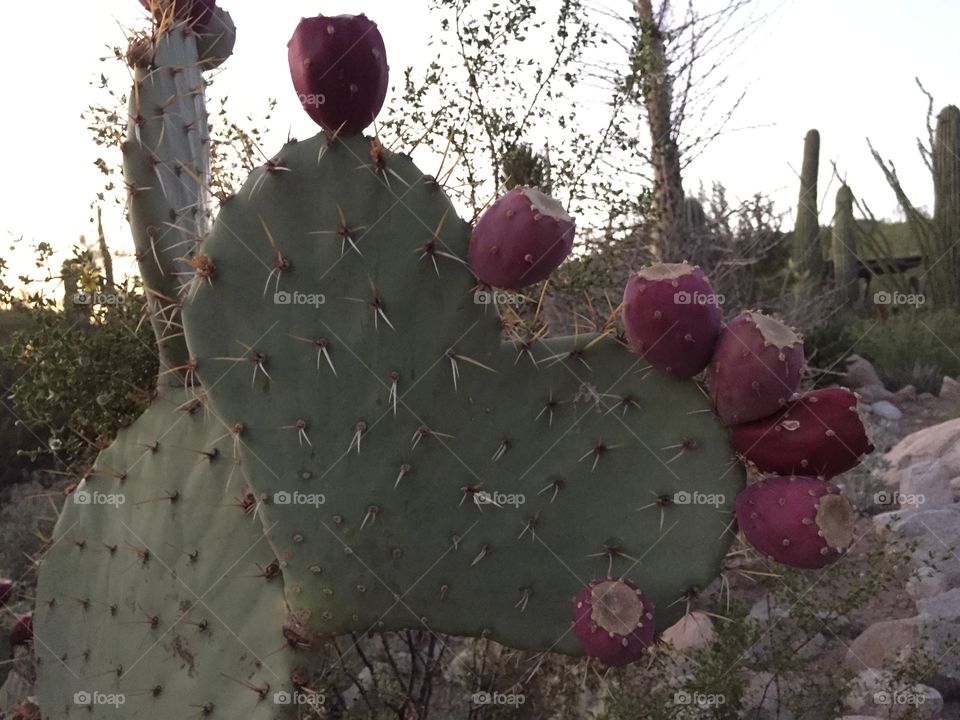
[
  {"x": 945, "y": 269},
  {"x": 807, "y": 253},
  {"x": 844, "y": 247}
]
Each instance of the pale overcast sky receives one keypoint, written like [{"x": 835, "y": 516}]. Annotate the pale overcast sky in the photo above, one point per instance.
[{"x": 843, "y": 66}]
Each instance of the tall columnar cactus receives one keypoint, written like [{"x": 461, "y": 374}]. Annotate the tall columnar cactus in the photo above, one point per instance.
[
  {"x": 695, "y": 218},
  {"x": 807, "y": 252},
  {"x": 946, "y": 207},
  {"x": 844, "y": 247}
]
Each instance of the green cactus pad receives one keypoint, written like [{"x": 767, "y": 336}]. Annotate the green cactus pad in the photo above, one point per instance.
[
  {"x": 335, "y": 319},
  {"x": 162, "y": 600}
]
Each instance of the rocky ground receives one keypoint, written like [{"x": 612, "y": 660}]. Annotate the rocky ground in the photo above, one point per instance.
[{"x": 907, "y": 492}]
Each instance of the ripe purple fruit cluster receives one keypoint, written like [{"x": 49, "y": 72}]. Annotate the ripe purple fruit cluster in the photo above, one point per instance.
[
  {"x": 792, "y": 442},
  {"x": 795, "y": 442}
]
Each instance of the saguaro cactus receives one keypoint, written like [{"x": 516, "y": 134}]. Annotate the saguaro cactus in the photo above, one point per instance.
[
  {"x": 946, "y": 207},
  {"x": 807, "y": 253},
  {"x": 844, "y": 247}
]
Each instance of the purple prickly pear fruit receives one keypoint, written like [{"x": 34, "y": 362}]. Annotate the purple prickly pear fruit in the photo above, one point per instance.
[
  {"x": 804, "y": 522},
  {"x": 755, "y": 369},
  {"x": 820, "y": 433},
  {"x": 613, "y": 620},
  {"x": 22, "y": 631},
  {"x": 6, "y": 590},
  {"x": 339, "y": 70},
  {"x": 520, "y": 239},
  {"x": 671, "y": 317}
]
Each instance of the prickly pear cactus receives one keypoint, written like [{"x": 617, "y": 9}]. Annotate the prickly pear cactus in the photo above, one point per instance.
[
  {"x": 160, "y": 596},
  {"x": 418, "y": 471}
]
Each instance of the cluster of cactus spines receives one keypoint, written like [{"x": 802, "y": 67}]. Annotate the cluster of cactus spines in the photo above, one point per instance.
[
  {"x": 755, "y": 369},
  {"x": 339, "y": 69},
  {"x": 672, "y": 317},
  {"x": 844, "y": 247},
  {"x": 805, "y": 522},
  {"x": 946, "y": 206},
  {"x": 166, "y": 158},
  {"x": 820, "y": 433},
  {"x": 520, "y": 239},
  {"x": 807, "y": 253},
  {"x": 613, "y": 620},
  {"x": 160, "y": 587}
]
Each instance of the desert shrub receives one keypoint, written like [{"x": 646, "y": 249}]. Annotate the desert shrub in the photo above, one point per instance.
[
  {"x": 81, "y": 370},
  {"x": 911, "y": 347}
]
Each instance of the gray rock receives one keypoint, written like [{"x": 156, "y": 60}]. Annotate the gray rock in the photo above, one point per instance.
[
  {"x": 939, "y": 443},
  {"x": 860, "y": 373},
  {"x": 908, "y": 393},
  {"x": 884, "y": 644},
  {"x": 873, "y": 393},
  {"x": 886, "y": 410},
  {"x": 949, "y": 389},
  {"x": 878, "y": 692},
  {"x": 926, "y": 582},
  {"x": 925, "y": 485},
  {"x": 932, "y": 634},
  {"x": 760, "y": 697}
]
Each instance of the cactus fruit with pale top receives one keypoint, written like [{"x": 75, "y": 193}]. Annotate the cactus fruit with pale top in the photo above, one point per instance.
[
  {"x": 520, "y": 239},
  {"x": 755, "y": 369},
  {"x": 613, "y": 620},
  {"x": 800, "y": 521},
  {"x": 672, "y": 318}
]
